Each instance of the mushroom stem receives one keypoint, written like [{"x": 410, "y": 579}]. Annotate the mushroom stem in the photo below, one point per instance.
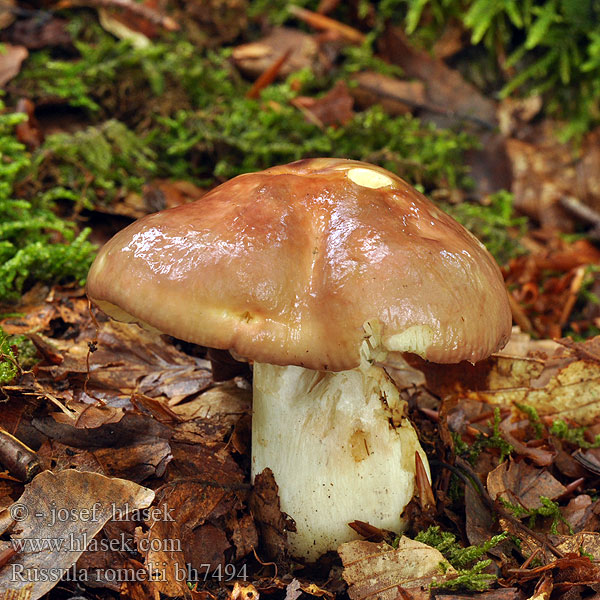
[{"x": 340, "y": 448}]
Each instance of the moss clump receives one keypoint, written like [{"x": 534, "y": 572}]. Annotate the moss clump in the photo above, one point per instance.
[
  {"x": 35, "y": 244},
  {"x": 189, "y": 111},
  {"x": 98, "y": 164},
  {"x": 573, "y": 435},
  {"x": 465, "y": 560},
  {"x": 16, "y": 353},
  {"x": 547, "y": 509},
  {"x": 494, "y": 224},
  {"x": 495, "y": 440}
]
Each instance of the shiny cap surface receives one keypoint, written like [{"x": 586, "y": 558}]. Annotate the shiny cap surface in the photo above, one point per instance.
[{"x": 286, "y": 266}]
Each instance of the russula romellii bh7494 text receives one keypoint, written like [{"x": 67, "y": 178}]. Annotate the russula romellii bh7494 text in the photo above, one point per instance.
[{"x": 314, "y": 271}]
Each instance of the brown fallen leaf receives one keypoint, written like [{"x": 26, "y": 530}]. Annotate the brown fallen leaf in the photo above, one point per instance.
[
  {"x": 542, "y": 457},
  {"x": 7, "y": 13},
  {"x": 127, "y": 360},
  {"x": 57, "y": 516},
  {"x": 562, "y": 386},
  {"x": 511, "y": 593},
  {"x": 244, "y": 592},
  {"x": 136, "y": 462},
  {"x": 138, "y": 590},
  {"x": 211, "y": 416},
  {"x": 193, "y": 540},
  {"x": 28, "y": 132},
  {"x": 185, "y": 546},
  {"x": 243, "y": 534},
  {"x": 334, "y": 108},
  {"x": 446, "y": 91},
  {"x": 257, "y": 57},
  {"x": 396, "y": 96},
  {"x": 537, "y": 186},
  {"x": 545, "y": 172},
  {"x": 131, "y": 429},
  {"x": 378, "y": 571},
  {"x": 523, "y": 484},
  {"x": 11, "y": 58},
  {"x": 35, "y": 33},
  {"x": 273, "y": 525}
]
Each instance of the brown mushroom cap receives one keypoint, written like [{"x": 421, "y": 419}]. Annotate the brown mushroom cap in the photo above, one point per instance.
[{"x": 287, "y": 265}]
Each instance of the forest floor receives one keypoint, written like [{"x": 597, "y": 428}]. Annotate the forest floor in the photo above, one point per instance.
[{"x": 124, "y": 454}]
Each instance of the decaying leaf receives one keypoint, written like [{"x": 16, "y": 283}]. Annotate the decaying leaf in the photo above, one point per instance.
[
  {"x": 192, "y": 542},
  {"x": 334, "y": 108},
  {"x": 522, "y": 484},
  {"x": 446, "y": 90},
  {"x": 378, "y": 571},
  {"x": 56, "y": 517},
  {"x": 213, "y": 414},
  {"x": 255, "y": 58},
  {"x": 272, "y": 523},
  {"x": 562, "y": 386},
  {"x": 396, "y": 96},
  {"x": 11, "y": 58}
]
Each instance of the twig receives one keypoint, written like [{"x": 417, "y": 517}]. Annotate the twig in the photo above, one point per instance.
[
  {"x": 326, "y": 23},
  {"x": 521, "y": 319},
  {"x": 574, "y": 289},
  {"x": 19, "y": 459},
  {"x": 580, "y": 210},
  {"x": 268, "y": 76},
  {"x": 139, "y": 9}
]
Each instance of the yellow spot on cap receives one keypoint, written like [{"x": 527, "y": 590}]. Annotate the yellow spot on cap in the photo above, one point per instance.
[{"x": 369, "y": 178}]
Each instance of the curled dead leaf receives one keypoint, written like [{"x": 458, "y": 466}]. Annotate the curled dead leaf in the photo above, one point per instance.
[
  {"x": 378, "y": 571},
  {"x": 56, "y": 517}
]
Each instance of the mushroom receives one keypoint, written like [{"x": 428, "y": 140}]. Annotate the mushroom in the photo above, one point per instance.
[{"x": 314, "y": 271}]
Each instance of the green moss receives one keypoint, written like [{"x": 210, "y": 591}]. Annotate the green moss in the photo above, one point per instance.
[
  {"x": 8, "y": 361},
  {"x": 192, "y": 115},
  {"x": 35, "y": 244},
  {"x": 494, "y": 440},
  {"x": 16, "y": 353},
  {"x": 548, "y": 509},
  {"x": 97, "y": 164},
  {"x": 573, "y": 435},
  {"x": 465, "y": 560},
  {"x": 534, "y": 419},
  {"x": 494, "y": 223}
]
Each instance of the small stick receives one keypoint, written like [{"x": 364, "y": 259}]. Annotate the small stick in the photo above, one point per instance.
[
  {"x": 328, "y": 24},
  {"x": 575, "y": 286},
  {"x": 521, "y": 319},
  {"x": 580, "y": 210},
  {"x": 18, "y": 458},
  {"x": 268, "y": 76}
]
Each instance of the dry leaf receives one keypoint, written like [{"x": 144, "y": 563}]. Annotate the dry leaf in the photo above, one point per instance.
[
  {"x": 62, "y": 513},
  {"x": 522, "y": 484},
  {"x": 11, "y": 58},
  {"x": 212, "y": 416},
  {"x": 272, "y": 523},
  {"x": 396, "y": 96},
  {"x": 377, "y": 571},
  {"x": 334, "y": 108},
  {"x": 446, "y": 90},
  {"x": 255, "y": 58},
  {"x": 563, "y": 386}
]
